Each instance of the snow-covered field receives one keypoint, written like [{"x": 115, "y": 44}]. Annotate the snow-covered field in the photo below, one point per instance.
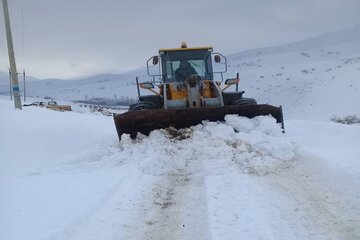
[{"x": 64, "y": 175}]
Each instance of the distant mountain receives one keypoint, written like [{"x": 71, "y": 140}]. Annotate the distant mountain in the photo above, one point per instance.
[
  {"x": 100, "y": 86},
  {"x": 313, "y": 79},
  {"x": 4, "y": 78}
]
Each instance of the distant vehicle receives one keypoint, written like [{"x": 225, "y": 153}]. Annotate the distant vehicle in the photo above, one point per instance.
[{"x": 52, "y": 104}]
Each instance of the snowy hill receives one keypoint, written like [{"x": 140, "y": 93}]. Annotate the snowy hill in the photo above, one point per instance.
[{"x": 313, "y": 79}]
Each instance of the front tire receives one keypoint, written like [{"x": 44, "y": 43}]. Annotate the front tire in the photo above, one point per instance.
[{"x": 243, "y": 101}]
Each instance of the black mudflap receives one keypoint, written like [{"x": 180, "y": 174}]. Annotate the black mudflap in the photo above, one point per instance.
[{"x": 145, "y": 121}]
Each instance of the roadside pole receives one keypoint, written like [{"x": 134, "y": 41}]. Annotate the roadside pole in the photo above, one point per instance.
[{"x": 13, "y": 71}]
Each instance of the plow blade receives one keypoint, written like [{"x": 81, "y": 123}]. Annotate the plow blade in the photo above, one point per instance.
[{"x": 145, "y": 121}]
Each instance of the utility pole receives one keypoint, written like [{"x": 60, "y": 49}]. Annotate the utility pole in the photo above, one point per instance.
[{"x": 13, "y": 71}]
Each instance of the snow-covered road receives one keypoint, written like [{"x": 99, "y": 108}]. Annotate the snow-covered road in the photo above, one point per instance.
[{"x": 242, "y": 179}]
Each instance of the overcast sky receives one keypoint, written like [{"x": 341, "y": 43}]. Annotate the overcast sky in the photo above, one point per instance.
[{"x": 70, "y": 38}]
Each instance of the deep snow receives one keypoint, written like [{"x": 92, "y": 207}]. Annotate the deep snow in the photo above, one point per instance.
[{"x": 64, "y": 175}]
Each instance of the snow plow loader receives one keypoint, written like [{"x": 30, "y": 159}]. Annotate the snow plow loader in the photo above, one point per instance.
[{"x": 187, "y": 94}]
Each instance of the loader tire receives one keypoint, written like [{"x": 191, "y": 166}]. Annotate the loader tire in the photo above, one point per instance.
[
  {"x": 142, "y": 106},
  {"x": 243, "y": 101}
]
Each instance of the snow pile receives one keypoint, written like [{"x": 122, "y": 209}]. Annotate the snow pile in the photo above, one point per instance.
[
  {"x": 260, "y": 144},
  {"x": 256, "y": 146}
]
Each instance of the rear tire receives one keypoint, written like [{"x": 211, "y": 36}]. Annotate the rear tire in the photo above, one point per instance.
[
  {"x": 142, "y": 106},
  {"x": 243, "y": 101}
]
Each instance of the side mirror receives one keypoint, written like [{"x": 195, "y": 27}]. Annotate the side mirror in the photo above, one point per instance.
[
  {"x": 218, "y": 64},
  {"x": 155, "y": 60},
  {"x": 231, "y": 81},
  {"x": 217, "y": 58},
  {"x": 146, "y": 85}
]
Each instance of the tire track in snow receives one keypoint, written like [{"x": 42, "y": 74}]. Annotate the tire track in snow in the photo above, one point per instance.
[
  {"x": 182, "y": 212},
  {"x": 176, "y": 203}
]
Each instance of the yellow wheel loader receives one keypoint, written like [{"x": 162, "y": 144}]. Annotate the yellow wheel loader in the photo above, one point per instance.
[{"x": 187, "y": 93}]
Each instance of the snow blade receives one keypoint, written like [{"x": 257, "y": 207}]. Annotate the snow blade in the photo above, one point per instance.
[{"x": 145, "y": 121}]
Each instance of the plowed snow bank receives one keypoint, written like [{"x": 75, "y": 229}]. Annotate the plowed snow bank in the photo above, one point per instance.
[{"x": 257, "y": 145}]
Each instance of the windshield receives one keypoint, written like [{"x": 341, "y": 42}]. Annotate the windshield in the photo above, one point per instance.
[
  {"x": 172, "y": 66},
  {"x": 195, "y": 60}
]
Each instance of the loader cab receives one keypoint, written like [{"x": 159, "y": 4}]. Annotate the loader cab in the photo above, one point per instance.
[{"x": 198, "y": 58}]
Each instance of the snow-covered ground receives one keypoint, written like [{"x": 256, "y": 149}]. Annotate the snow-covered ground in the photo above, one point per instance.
[{"x": 64, "y": 175}]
